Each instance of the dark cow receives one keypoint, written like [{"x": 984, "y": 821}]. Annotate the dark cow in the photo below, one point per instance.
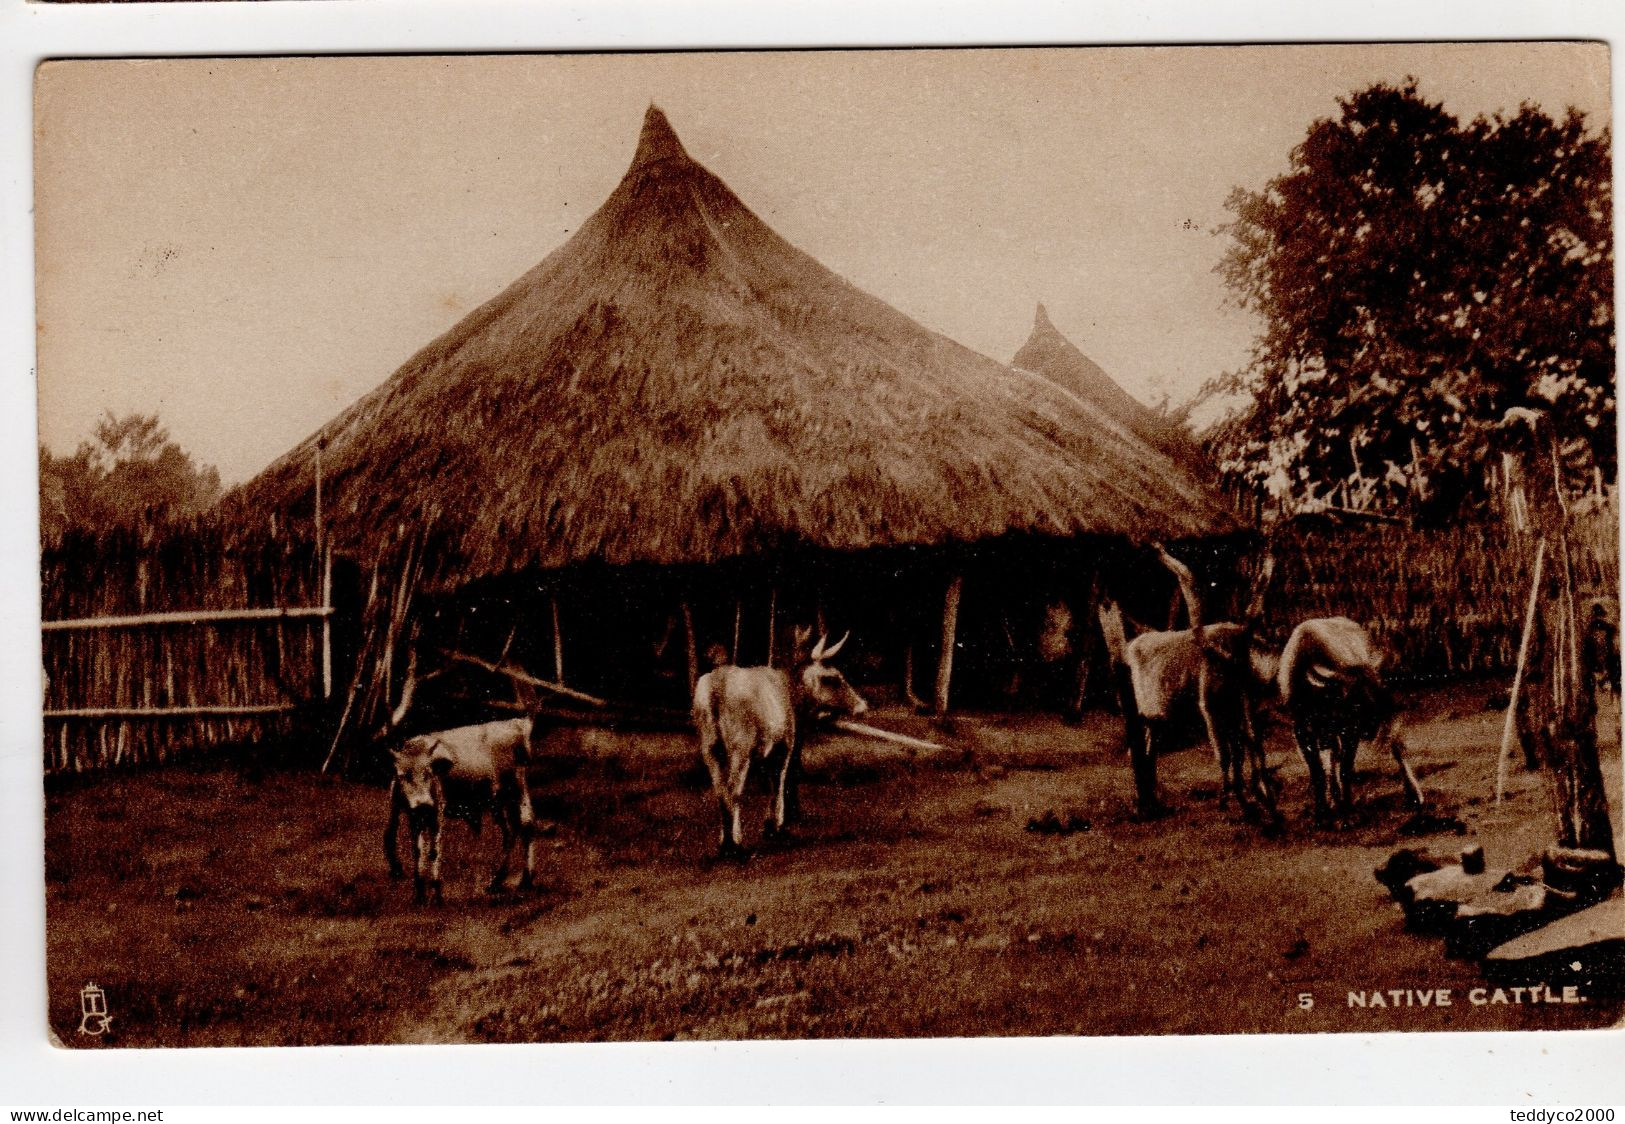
[{"x": 1330, "y": 680}]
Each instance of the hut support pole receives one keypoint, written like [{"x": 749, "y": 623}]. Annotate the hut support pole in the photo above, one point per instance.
[
  {"x": 327, "y": 624},
  {"x": 691, "y": 648},
  {"x": 739, "y": 611},
  {"x": 558, "y": 641},
  {"x": 950, "y": 629},
  {"x": 772, "y": 622},
  {"x": 1084, "y": 635},
  {"x": 909, "y": 696}
]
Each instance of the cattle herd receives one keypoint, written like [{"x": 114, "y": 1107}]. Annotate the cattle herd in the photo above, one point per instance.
[{"x": 1327, "y": 679}]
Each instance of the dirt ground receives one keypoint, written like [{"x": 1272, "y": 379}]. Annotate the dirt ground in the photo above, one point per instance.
[{"x": 920, "y": 896}]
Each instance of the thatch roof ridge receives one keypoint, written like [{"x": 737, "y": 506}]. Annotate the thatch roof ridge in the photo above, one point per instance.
[{"x": 676, "y": 383}]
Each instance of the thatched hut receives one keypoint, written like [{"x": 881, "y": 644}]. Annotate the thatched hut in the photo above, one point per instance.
[
  {"x": 1049, "y": 353},
  {"x": 679, "y": 415}
]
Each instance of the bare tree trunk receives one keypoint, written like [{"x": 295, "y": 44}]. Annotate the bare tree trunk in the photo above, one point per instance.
[{"x": 1560, "y": 702}]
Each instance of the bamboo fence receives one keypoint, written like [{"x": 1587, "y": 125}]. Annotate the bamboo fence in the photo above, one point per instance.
[
  {"x": 145, "y": 654},
  {"x": 1444, "y": 602}
]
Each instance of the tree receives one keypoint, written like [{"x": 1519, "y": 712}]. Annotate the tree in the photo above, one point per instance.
[
  {"x": 129, "y": 474},
  {"x": 1418, "y": 277}
]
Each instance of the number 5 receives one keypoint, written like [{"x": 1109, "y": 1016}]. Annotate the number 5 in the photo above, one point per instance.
[{"x": 1306, "y": 999}]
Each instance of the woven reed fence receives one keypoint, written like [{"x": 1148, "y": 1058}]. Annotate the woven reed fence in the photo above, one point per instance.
[
  {"x": 100, "y": 673},
  {"x": 1445, "y": 602}
]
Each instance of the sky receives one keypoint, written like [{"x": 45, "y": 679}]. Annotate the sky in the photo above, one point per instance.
[{"x": 246, "y": 246}]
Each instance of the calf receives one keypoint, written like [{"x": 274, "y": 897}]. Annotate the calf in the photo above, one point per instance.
[
  {"x": 745, "y": 714},
  {"x": 462, "y": 772},
  {"x": 1331, "y": 684}
]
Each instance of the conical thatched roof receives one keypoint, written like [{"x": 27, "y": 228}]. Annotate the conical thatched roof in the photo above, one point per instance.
[
  {"x": 1052, "y": 355},
  {"x": 678, "y": 384}
]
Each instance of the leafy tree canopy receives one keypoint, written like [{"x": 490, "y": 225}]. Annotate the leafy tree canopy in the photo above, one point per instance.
[
  {"x": 129, "y": 474},
  {"x": 1417, "y": 277}
]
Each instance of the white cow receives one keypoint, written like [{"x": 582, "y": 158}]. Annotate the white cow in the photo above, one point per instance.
[
  {"x": 467, "y": 770},
  {"x": 745, "y": 714}
]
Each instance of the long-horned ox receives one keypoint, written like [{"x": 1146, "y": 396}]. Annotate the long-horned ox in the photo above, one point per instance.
[
  {"x": 749, "y": 714},
  {"x": 462, "y": 772},
  {"x": 1330, "y": 679},
  {"x": 1219, "y": 667}
]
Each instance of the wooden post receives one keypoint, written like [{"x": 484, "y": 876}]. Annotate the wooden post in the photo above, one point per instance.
[
  {"x": 1508, "y": 729},
  {"x": 558, "y": 640},
  {"x": 950, "y": 630},
  {"x": 327, "y": 624},
  {"x": 772, "y": 622},
  {"x": 691, "y": 648},
  {"x": 733, "y": 653}
]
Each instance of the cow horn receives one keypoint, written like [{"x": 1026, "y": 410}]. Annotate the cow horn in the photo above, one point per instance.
[{"x": 834, "y": 649}]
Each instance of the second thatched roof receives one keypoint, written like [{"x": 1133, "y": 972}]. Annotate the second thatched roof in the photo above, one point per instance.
[
  {"x": 1058, "y": 359},
  {"x": 678, "y": 384}
]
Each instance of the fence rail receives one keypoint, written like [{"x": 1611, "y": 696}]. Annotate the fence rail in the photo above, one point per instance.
[
  {"x": 132, "y": 680},
  {"x": 172, "y": 711},
  {"x": 184, "y": 617}
]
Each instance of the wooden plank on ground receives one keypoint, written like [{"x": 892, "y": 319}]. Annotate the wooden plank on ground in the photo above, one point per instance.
[{"x": 1597, "y": 925}]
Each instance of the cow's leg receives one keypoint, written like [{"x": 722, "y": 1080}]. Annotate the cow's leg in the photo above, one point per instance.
[
  {"x": 435, "y": 893},
  {"x": 782, "y": 794},
  {"x": 1309, "y": 747},
  {"x": 1335, "y": 741},
  {"x": 792, "y": 782},
  {"x": 1258, "y": 768},
  {"x": 426, "y": 851},
  {"x": 1143, "y": 756},
  {"x": 420, "y": 864},
  {"x": 1133, "y": 724},
  {"x": 1269, "y": 791},
  {"x": 1224, "y": 750},
  {"x": 1348, "y": 746},
  {"x": 716, "y": 765},
  {"x": 738, "y": 777},
  {"x": 1413, "y": 788},
  {"x": 527, "y": 834},
  {"x": 505, "y": 813},
  {"x": 397, "y": 809}
]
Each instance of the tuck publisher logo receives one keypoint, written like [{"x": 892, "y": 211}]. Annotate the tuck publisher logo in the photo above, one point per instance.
[{"x": 93, "y": 1018}]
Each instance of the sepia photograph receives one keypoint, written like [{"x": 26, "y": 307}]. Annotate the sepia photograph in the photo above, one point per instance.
[{"x": 1090, "y": 541}]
